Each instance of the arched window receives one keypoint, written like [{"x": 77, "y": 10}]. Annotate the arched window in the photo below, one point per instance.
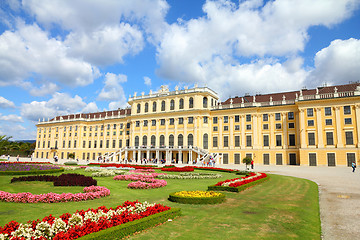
[
  {"x": 180, "y": 140},
  {"x": 205, "y": 141},
  {"x": 146, "y": 107},
  {"x": 163, "y": 106},
  {"x": 138, "y": 108},
  {"x": 191, "y": 102},
  {"x": 171, "y": 140},
  {"x": 172, "y": 104},
  {"x": 144, "y": 142},
  {"x": 212, "y": 102},
  {"x": 154, "y": 106},
  {"x": 136, "y": 141},
  {"x": 153, "y": 141},
  {"x": 162, "y": 141},
  {"x": 205, "y": 102},
  {"x": 181, "y": 103},
  {"x": 190, "y": 140}
]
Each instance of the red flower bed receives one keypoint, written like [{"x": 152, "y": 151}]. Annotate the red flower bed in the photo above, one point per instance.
[
  {"x": 70, "y": 179},
  {"x": 236, "y": 182},
  {"x": 216, "y": 169},
  {"x": 178, "y": 169},
  {"x": 128, "y": 165},
  {"x": 81, "y": 223}
]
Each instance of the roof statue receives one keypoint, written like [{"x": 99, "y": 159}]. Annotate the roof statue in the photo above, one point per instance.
[{"x": 164, "y": 89}]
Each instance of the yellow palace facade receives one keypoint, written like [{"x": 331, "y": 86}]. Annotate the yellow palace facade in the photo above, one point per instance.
[{"x": 315, "y": 127}]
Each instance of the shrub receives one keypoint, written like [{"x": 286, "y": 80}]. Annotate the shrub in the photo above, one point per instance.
[
  {"x": 197, "y": 197},
  {"x": 70, "y": 163}
]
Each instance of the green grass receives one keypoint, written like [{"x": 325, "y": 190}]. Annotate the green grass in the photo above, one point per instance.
[{"x": 281, "y": 208}]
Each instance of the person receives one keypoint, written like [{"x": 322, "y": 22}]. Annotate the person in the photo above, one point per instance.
[
  {"x": 353, "y": 165},
  {"x": 17, "y": 158},
  {"x": 252, "y": 164},
  {"x": 8, "y": 157}
]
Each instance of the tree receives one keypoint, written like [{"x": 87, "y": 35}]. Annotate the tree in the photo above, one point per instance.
[
  {"x": 4, "y": 143},
  {"x": 72, "y": 155},
  {"x": 247, "y": 161}
]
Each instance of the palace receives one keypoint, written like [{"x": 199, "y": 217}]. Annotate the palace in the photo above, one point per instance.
[{"x": 315, "y": 127}]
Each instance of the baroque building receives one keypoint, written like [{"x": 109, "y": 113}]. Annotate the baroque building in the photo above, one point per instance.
[{"x": 307, "y": 127}]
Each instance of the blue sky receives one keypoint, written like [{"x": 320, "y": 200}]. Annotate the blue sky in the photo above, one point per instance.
[{"x": 69, "y": 56}]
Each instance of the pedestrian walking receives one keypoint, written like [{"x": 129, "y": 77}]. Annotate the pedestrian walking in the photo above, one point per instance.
[
  {"x": 252, "y": 164},
  {"x": 353, "y": 165},
  {"x": 17, "y": 158}
]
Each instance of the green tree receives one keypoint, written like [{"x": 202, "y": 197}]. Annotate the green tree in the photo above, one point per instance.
[
  {"x": 71, "y": 155},
  {"x": 4, "y": 144},
  {"x": 247, "y": 161}
]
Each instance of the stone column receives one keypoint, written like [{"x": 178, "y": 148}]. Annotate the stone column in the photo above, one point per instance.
[
  {"x": 302, "y": 129},
  {"x": 255, "y": 131},
  {"x": 231, "y": 131},
  {"x": 220, "y": 136},
  {"x": 139, "y": 155},
  {"x": 180, "y": 156},
  {"x": 319, "y": 128},
  {"x": 338, "y": 127},
  {"x": 285, "y": 131},
  {"x": 272, "y": 130},
  {"x": 243, "y": 143}
]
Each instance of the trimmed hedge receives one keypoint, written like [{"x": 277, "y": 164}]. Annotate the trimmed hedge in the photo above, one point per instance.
[
  {"x": 216, "y": 169},
  {"x": 37, "y": 172},
  {"x": 196, "y": 200},
  {"x": 237, "y": 189},
  {"x": 129, "y": 228},
  {"x": 70, "y": 163},
  {"x": 246, "y": 173},
  {"x": 70, "y": 179}
]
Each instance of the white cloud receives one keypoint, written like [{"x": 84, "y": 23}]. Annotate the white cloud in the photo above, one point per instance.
[
  {"x": 11, "y": 118},
  {"x": 147, "y": 81},
  {"x": 113, "y": 91},
  {"x": 90, "y": 107},
  {"x": 18, "y": 132},
  {"x": 5, "y": 103},
  {"x": 47, "y": 88},
  {"x": 240, "y": 46},
  {"x": 59, "y": 104},
  {"x": 338, "y": 63}
]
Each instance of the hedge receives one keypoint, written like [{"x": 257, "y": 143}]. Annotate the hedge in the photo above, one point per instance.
[
  {"x": 237, "y": 189},
  {"x": 70, "y": 163},
  {"x": 196, "y": 200},
  {"x": 31, "y": 172},
  {"x": 129, "y": 228},
  {"x": 216, "y": 169}
]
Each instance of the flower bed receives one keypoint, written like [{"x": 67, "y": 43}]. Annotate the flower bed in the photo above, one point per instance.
[
  {"x": 216, "y": 169},
  {"x": 142, "y": 171},
  {"x": 239, "y": 184},
  {"x": 142, "y": 181},
  {"x": 122, "y": 221},
  {"x": 178, "y": 169},
  {"x": 197, "y": 197},
  {"x": 125, "y": 165},
  {"x": 90, "y": 193},
  {"x": 70, "y": 179},
  {"x": 8, "y": 168},
  {"x": 191, "y": 175}
]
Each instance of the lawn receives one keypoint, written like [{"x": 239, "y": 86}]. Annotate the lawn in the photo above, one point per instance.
[{"x": 281, "y": 208}]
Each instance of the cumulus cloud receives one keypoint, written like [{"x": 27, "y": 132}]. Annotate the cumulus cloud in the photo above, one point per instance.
[
  {"x": 147, "y": 81},
  {"x": 11, "y": 118},
  {"x": 17, "y": 131},
  {"x": 246, "y": 45},
  {"x": 113, "y": 91},
  {"x": 338, "y": 63},
  {"x": 47, "y": 88},
  {"x": 5, "y": 103},
  {"x": 90, "y": 107}
]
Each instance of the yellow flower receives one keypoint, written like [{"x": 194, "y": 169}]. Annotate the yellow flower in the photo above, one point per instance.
[{"x": 199, "y": 194}]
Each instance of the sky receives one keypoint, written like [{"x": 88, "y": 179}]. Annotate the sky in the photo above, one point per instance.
[{"x": 63, "y": 57}]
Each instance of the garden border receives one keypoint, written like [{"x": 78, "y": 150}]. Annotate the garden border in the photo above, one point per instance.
[
  {"x": 197, "y": 200},
  {"x": 36, "y": 172},
  {"x": 240, "y": 188}
]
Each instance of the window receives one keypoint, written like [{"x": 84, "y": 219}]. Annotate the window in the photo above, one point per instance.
[
  {"x": 153, "y": 140},
  {"x": 114, "y": 133},
  {"x": 311, "y": 139},
  {"x": 120, "y": 143},
  {"x": 237, "y": 118},
  {"x": 310, "y": 112},
  {"x": 84, "y": 144},
  {"x": 278, "y": 140},
  {"x": 138, "y": 108},
  {"x": 205, "y": 119},
  {"x": 215, "y": 129},
  {"x": 277, "y": 117},
  {"x": 145, "y": 123},
  {"x": 163, "y": 106},
  {"x": 225, "y": 158},
  {"x": 95, "y": 144},
  {"x": 226, "y": 119},
  {"x": 237, "y": 127},
  {"x": 350, "y": 158},
  {"x": 328, "y": 121},
  {"x": 215, "y": 120},
  {"x": 310, "y": 123},
  {"x": 172, "y": 104},
  {"x": 190, "y": 140},
  {"x": 266, "y": 159},
  {"x": 278, "y": 126},
  {"x": 137, "y": 140},
  {"x": 107, "y": 143},
  {"x": 291, "y": 125},
  {"x": 248, "y": 117},
  {"x": 312, "y": 159},
  {"x": 265, "y": 126},
  {"x": 144, "y": 140},
  {"x": 248, "y": 141},
  {"x": 331, "y": 159},
  {"x": 172, "y": 121},
  {"x": 265, "y": 117},
  {"x": 205, "y": 141},
  {"x": 290, "y": 115},
  {"x": 237, "y": 141},
  {"x": 348, "y": 121},
  {"x": 248, "y": 155},
  {"x": 328, "y": 111},
  {"x": 180, "y": 140},
  {"x": 226, "y": 141},
  {"x": 162, "y": 122},
  {"x": 154, "y": 107},
  {"x": 190, "y": 120},
  {"x": 153, "y": 122},
  {"x": 181, "y": 120},
  {"x": 278, "y": 159},
  {"x": 349, "y": 138},
  {"x": 329, "y": 138},
  {"x": 181, "y": 103},
  {"x": 226, "y": 128},
  {"x": 121, "y": 126},
  {"x": 128, "y": 125},
  {"x": 137, "y": 124},
  {"x": 248, "y": 127},
  {"x": 146, "y": 107},
  {"x": 205, "y": 102},
  {"x": 114, "y": 144},
  {"x": 266, "y": 140},
  {"x": 215, "y": 142},
  {"x": 347, "y": 110},
  {"x": 191, "y": 102},
  {"x": 291, "y": 139},
  {"x": 237, "y": 158}
]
